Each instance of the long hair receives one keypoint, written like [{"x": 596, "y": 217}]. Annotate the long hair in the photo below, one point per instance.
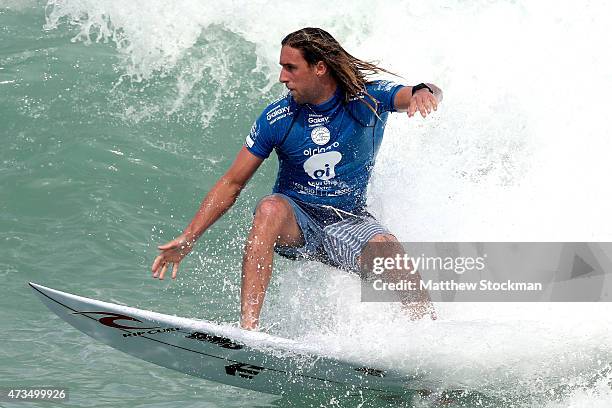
[{"x": 349, "y": 72}]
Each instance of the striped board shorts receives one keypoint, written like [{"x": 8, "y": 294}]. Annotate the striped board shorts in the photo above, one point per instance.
[{"x": 332, "y": 236}]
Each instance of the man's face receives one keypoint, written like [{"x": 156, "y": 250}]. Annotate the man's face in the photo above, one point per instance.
[{"x": 299, "y": 77}]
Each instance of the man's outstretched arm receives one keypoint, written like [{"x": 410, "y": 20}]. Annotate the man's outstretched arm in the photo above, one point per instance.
[
  {"x": 422, "y": 100},
  {"x": 218, "y": 200}
]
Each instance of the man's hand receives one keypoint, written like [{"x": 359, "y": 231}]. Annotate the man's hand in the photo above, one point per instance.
[
  {"x": 423, "y": 101},
  {"x": 218, "y": 200},
  {"x": 172, "y": 253}
]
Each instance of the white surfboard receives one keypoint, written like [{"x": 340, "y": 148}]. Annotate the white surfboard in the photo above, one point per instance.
[{"x": 251, "y": 360}]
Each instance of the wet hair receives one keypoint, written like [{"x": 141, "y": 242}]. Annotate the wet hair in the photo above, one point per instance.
[{"x": 349, "y": 72}]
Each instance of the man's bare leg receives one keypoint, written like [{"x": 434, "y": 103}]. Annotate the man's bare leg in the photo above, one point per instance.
[
  {"x": 417, "y": 303},
  {"x": 274, "y": 224}
]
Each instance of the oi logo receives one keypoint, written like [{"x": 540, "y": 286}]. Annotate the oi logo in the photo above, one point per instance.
[{"x": 322, "y": 166}]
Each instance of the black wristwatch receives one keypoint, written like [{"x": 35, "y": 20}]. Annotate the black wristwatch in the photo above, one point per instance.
[{"x": 419, "y": 87}]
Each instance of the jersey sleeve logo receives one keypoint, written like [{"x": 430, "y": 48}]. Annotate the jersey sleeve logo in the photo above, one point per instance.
[
  {"x": 277, "y": 113},
  {"x": 250, "y": 139},
  {"x": 385, "y": 86}
]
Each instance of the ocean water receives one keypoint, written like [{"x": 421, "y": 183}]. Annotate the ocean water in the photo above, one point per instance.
[{"x": 117, "y": 117}]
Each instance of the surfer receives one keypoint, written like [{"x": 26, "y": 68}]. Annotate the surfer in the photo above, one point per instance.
[{"x": 326, "y": 132}]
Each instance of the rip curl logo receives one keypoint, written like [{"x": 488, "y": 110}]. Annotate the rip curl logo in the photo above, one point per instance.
[
  {"x": 320, "y": 135},
  {"x": 110, "y": 319},
  {"x": 322, "y": 166}
]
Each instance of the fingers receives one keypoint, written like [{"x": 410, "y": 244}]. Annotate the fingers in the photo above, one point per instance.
[
  {"x": 156, "y": 264},
  {"x": 172, "y": 253},
  {"x": 434, "y": 102},
  {"x": 424, "y": 102},
  {"x": 163, "y": 271},
  {"x": 431, "y": 103},
  {"x": 422, "y": 109},
  {"x": 160, "y": 267},
  {"x": 413, "y": 107}
]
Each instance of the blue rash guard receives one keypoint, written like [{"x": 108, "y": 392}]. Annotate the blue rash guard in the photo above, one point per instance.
[{"x": 326, "y": 152}]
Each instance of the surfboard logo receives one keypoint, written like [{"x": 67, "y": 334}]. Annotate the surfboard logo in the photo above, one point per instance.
[
  {"x": 219, "y": 341},
  {"x": 110, "y": 320},
  {"x": 243, "y": 370}
]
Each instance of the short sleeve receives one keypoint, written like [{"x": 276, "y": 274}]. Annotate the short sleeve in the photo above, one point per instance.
[
  {"x": 384, "y": 92},
  {"x": 261, "y": 139}
]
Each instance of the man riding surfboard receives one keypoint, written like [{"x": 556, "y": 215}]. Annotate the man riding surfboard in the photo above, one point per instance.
[{"x": 326, "y": 132}]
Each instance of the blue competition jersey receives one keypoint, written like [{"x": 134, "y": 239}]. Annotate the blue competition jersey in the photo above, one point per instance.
[{"x": 326, "y": 152}]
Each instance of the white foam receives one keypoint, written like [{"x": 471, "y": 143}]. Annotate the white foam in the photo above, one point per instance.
[
  {"x": 518, "y": 150},
  {"x": 500, "y": 349}
]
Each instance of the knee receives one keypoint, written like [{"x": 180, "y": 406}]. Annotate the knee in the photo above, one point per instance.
[
  {"x": 272, "y": 208},
  {"x": 380, "y": 245},
  {"x": 383, "y": 245},
  {"x": 382, "y": 238}
]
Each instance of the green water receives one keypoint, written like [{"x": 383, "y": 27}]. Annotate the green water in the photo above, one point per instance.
[{"x": 86, "y": 194}]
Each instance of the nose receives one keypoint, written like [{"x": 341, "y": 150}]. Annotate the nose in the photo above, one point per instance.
[{"x": 283, "y": 76}]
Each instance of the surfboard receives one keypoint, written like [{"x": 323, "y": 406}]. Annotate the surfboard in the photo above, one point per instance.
[{"x": 225, "y": 354}]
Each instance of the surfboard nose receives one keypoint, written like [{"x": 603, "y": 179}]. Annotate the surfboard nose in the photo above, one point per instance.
[{"x": 40, "y": 289}]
